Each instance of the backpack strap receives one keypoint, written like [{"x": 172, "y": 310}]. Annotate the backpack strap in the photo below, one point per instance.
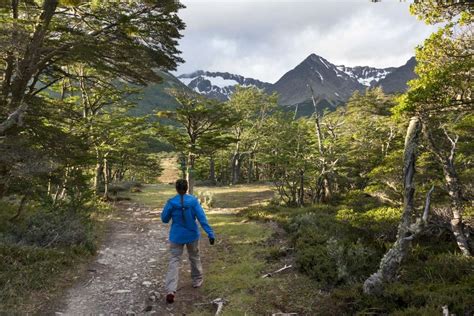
[{"x": 182, "y": 207}]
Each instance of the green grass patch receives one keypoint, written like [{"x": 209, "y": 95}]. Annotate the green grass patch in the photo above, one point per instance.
[
  {"x": 237, "y": 195},
  {"x": 41, "y": 250},
  {"x": 152, "y": 195},
  {"x": 238, "y": 262},
  {"x": 27, "y": 272}
]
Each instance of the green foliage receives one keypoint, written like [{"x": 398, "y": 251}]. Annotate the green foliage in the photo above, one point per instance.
[
  {"x": 339, "y": 249},
  {"x": 26, "y": 271},
  {"x": 53, "y": 229},
  {"x": 357, "y": 200},
  {"x": 329, "y": 251},
  {"x": 201, "y": 124},
  {"x": 379, "y": 224}
]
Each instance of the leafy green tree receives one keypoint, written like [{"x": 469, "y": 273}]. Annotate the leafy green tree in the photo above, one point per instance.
[
  {"x": 442, "y": 96},
  {"x": 126, "y": 39},
  {"x": 367, "y": 142},
  {"x": 202, "y": 127},
  {"x": 287, "y": 150},
  {"x": 253, "y": 107}
]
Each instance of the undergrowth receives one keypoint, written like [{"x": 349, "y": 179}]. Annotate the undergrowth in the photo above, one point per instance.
[
  {"x": 42, "y": 248},
  {"x": 340, "y": 245}
]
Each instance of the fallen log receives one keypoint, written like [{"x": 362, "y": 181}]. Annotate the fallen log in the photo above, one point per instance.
[
  {"x": 220, "y": 302},
  {"x": 286, "y": 267}
]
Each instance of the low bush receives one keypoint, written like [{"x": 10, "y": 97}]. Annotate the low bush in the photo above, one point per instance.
[
  {"x": 206, "y": 198},
  {"x": 379, "y": 224},
  {"x": 56, "y": 229}
]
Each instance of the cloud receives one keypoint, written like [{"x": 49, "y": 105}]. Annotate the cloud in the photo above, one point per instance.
[{"x": 264, "y": 39}]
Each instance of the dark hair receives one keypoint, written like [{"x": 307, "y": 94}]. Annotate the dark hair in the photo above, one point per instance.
[{"x": 181, "y": 186}]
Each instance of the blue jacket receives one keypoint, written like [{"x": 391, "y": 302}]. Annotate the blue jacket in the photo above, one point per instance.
[{"x": 184, "y": 228}]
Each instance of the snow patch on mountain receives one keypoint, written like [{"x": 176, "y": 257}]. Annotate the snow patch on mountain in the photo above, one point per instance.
[
  {"x": 218, "y": 85},
  {"x": 221, "y": 82},
  {"x": 368, "y": 76}
]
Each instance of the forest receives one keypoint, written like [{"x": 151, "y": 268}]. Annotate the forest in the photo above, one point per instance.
[{"x": 373, "y": 197}]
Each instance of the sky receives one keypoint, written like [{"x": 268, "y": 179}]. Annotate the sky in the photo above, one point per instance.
[{"x": 263, "y": 39}]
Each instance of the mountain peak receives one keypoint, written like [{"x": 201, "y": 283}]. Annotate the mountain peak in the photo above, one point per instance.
[{"x": 218, "y": 85}]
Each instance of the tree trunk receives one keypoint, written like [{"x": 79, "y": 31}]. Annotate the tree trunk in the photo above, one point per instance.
[
  {"x": 235, "y": 168},
  {"x": 97, "y": 177},
  {"x": 251, "y": 168},
  {"x": 390, "y": 263},
  {"x": 301, "y": 189},
  {"x": 455, "y": 193},
  {"x": 21, "y": 207},
  {"x": 327, "y": 192},
  {"x": 97, "y": 172},
  {"x": 257, "y": 171},
  {"x": 454, "y": 187},
  {"x": 27, "y": 67},
  {"x": 190, "y": 172},
  {"x": 106, "y": 173},
  {"x": 65, "y": 184},
  {"x": 212, "y": 170}
]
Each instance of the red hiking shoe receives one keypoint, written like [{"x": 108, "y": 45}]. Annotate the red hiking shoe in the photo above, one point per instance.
[{"x": 170, "y": 298}]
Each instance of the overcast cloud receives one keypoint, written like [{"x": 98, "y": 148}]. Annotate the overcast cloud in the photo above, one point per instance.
[{"x": 263, "y": 39}]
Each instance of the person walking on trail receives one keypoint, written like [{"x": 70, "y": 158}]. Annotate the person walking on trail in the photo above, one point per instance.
[{"x": 183, "y": 209}]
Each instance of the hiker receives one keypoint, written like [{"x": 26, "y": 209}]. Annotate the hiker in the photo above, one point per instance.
[{"x": 184, "y": 209}]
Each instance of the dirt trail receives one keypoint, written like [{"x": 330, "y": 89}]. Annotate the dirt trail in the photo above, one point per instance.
[{"x": 127, "y": 276}]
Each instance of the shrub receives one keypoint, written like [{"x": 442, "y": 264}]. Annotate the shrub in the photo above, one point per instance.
[
  {"x": 378, "y": 224},
  {"x": 329, "y": 251},
  {"x": 359, "y": 201},
  {"x": 206, "y": 198},
  {"x": 56, "y": 229}
]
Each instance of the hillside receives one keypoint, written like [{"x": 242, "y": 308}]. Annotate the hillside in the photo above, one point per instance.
[{"x": 157, "y": 96}]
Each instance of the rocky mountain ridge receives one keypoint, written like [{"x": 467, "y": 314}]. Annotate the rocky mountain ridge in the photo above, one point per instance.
[{"x": 332, "y": 83}]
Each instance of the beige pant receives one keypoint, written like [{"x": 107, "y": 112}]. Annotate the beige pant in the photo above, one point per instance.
[{"x": 172, "y": 276}]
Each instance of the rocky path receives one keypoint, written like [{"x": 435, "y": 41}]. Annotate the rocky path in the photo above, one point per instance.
[{"x": 127, "y": 277}]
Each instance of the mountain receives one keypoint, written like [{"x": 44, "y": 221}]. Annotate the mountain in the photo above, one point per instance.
[
  {"x": 218, "y": 85},
  {"x": 332, "y": 84},
  {"x": 396, "y": 81},
  {"x": 327, "y": 81}
]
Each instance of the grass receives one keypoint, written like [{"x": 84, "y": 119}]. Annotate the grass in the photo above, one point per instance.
[
  {"x": 152, "y": 195},
  {"x": 30, "y": 275},
  {"x": 237, "y": 196},
  {"x": 245, "y": 252}
]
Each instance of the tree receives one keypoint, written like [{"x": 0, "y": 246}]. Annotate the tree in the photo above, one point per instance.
[
  {"x": 288, "y": 150},
  {"x": 125, "y": 39},
  {"x": 407, "y": 229},
  {"x": 442, "y": 95},
  {"x": 253, "y": 107},
  {"x": 61, "y": 97},
  {"x": 202, "y": 127}
]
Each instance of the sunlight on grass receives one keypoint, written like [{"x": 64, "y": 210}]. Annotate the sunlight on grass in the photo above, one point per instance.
[
  {"x": 238, "y": 195},
  {"x": 152, "y": 195}
]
